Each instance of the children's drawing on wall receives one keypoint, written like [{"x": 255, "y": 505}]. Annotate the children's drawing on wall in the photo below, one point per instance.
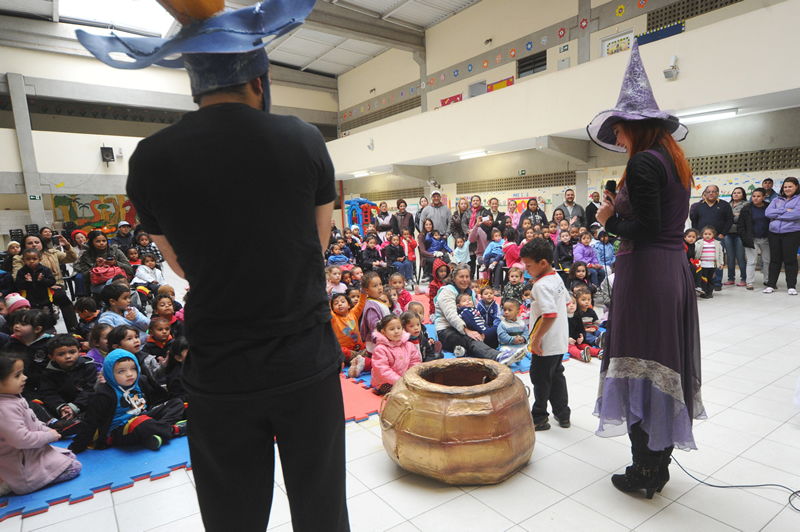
[
  {"x": 90, "y": 212},
  {"x": 727, "y": 182}
]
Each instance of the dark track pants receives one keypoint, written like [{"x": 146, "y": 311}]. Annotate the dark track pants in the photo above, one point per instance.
[
  {"x": 232, "y": 451},
  {"x": 158, "y": 421},
  {"x": 549, "y": 384}
]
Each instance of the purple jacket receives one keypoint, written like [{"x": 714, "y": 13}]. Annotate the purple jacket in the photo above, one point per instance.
[
  {"x": 27, "y": 460},
  {"x": 584, "y": 253},
  {"x": 784, "y": 215}
]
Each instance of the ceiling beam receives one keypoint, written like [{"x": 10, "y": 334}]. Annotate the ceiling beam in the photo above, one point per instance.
[
  {"x": 394, "y": 9},
  {"x": 337, "y": 20},
  {"x": 302, "y": 80}
]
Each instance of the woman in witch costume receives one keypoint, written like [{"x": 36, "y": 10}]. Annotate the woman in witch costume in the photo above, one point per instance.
[{"x": 650, "y": 376}]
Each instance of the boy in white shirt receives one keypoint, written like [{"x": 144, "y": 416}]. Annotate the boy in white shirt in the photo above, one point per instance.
[{"x": 550, "y": 337}]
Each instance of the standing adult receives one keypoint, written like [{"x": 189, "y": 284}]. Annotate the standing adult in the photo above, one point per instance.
[
  {"x": 572, "y": 211},
  {"x": 383, "y": 221},
  {"x": 650, "y": 374},
  {"x": 437, "y": 212},
  {"x": 53, "y": 258},
  {"x": 733, "y": 241},
  {"x": 423, "y": 202},
  {"x": 784, "y": 235},
  {"x": 591, "y": 209},
  {"x": 498, "y": 217},
  {"x": 335, "y": 233},
  {"x": 459, "y": 222},
  {"x": 477, "y": 214},
  {"x": 767, "y": 184},
  {"x": 274, "y": 377},
  {"x": 124, "y": 238},
  {"x": 753, "y": 226},
  {"x": 451, "y": 329},
  {"x": 533, "y": 213},
  {"x": 718, "y": 214},
  {"x": 402, "y": 219}
]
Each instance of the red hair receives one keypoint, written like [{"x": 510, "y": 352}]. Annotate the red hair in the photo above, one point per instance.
[{"x": 646, "y": 134}]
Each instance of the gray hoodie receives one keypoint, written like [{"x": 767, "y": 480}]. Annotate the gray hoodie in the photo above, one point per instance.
[{"x": 440, "y": 216}]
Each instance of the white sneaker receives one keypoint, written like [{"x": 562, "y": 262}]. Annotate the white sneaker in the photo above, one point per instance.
[
  {"x": 586, "y": 354},
  {"x": 769, "y": 290},
  {"x": 492, "y": 265},
  {"x": 459, "y": 351},
  {"x": 792, "y": 292},
  {"x": 356, "y": 367},
  {"x": 5, "y": 489},
  {"x": 482, "y": 268},
  {"x": 509, "y": 357}
]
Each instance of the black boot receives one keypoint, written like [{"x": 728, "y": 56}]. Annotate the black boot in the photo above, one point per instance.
[
  {"x": 663, "y": 469},
  {"x": 641, "y": 475}
]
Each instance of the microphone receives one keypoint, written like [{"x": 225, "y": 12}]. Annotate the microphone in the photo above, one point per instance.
[{"x": 611, "y": 188}]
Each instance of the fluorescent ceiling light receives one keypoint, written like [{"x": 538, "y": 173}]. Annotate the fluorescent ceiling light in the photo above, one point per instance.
[
  {"x": 472, "y": 155},
  {"x": 361, "y": 174},
  {"x": 143, "y": 15},
  {"x": 708, "y": 117}
]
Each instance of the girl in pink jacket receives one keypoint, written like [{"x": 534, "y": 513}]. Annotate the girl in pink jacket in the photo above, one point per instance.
[
  {"x": 27, "y": 460},
  {"x": 393, "y": 355}
]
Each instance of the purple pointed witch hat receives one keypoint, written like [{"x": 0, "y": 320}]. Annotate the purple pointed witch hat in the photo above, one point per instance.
[{"x": 636, "y": 102}]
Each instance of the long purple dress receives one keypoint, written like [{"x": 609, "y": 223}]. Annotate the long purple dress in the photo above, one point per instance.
[{"x": 651, "y": 364}]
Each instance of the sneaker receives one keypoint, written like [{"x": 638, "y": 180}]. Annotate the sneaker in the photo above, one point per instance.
[
  {"x": 740, "y": 283},
  {"x": 768, "y": 290},
  {"x": 564, "y": 424},
  {"x": 703, "y": 296},
  {"x": 65, "y": 427},
  {"x": 600, "y": 355},
  {"x": 601, "y": 339},
  {"x": 482, "y": 268},
  {"x": 792, "y": 292},
  {"x": 699, "y": 290},
  {"x": 417, "y": 291},
  {"x": 542, "y": 425},
  {"x": 749, "y": 287},
  {"x": 586, "y": 355},
  {"x": 459, "y": 351},
  {"x": 180, "y": 428},
  {"x": 492, "y": 265},
  {"x": 711, "y": 295},
  {"x": 5, "y": 489},
  {"x": 152, "y": 443},
  {"x": 356, "y": 367},
  {"x": 510, "y": 357},
  {"x": 718, "y": 288},
  {"x": 728, "y": 283}
]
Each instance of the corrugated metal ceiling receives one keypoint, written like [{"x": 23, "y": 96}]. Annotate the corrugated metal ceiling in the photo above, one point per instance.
[{"x": 421, "y": 14}]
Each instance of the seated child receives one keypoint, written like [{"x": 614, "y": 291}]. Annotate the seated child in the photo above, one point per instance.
[
  {"x": 178, "y": 352},
  {"x": 467, "y": 311},
  {"x": 138, "y": 296},
  {"x": 125, "y": 337},
  {"x": 129, "y": 409},
  {"x": 604, "y": 251},
  {"x": 475, "y": 286},
  {"x": 397, "y": 281},
  {"x": 393, "y": 355},
  {"x": 336, "y": 257},
  {"x": 347, "y": 279},
  {"x": 69, "y": 380},
  {"x": 391, "y": 295},
  {"x": 412, "y": 325},
  {"x": 333, "y": 278},
  {"x": 29, "y": 461},
  {"x": 512, "y": 331},
  {"x": 345, "y": 250},
  {"x": 433, "y": 348},
  {"x": 132, "y": 254},
  {"x": 514, "y": 288},
  {"x": 436, "y": 245},
  {"x": 356, "y": 274},
  {"x": 577, "y": 276},
  {"x": 157, "y": 347},
  {"x": 148, "y": 275},
  {"x": 584, "y": 252},
  {"x": 35, "y": 279},
  {"x": 98, "y": 344},
  {"x": 374, "y": 309},
  {"x": 578, "y": 348},
  {"x": 409, "y": 245},
  {"x": 493, "y": 253},
  {"x": 31, "y": 339},
  {"x": 441, "y": 276},
  {"x": 395, "y": 255},
  {"x": 371, "y": 258},
  {"x": 117, "y": 298},
  {"x": 164, "y": 307},
  {"x": 563, "y": 255},
  {"x": 461, "y": 253},
  {"x": 344, "y": 321},
  {"x": 591, "y": 323},
  {"x": 168, "y": 290},
  {"x": 14, "y": 303},
  {"x": 146, "y": 246},
  {"x": 86, "y": 308},
  {"x": 491, "y": 314},
  {"x": 354, "y": 295},
  {"x": 525, "y": 305}
]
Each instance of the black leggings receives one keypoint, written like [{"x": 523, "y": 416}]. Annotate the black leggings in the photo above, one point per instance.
[
  {"x": 783, "y": 248},
  {"x": 62, "y": 300}
]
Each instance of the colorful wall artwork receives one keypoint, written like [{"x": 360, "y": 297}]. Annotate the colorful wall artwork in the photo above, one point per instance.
[
  {"x": 452, "y": 99},
  {"x": 502, "y": 84},
  {"x": 90, "y": 212}
]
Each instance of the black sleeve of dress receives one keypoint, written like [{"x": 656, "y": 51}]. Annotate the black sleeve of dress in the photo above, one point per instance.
[{"x": 645, "y": 177}]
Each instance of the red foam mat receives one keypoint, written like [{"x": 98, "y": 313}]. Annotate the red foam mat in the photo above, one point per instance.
[{"x": 359, "y": 403}]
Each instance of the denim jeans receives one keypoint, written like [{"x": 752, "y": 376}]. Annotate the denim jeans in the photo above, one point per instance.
[
  {"x": 717, "y": 271},
  {"x": 752, "y": 256},
  {"x": 735, "y": 253},
  {"x": 596, "y": 276},
  {"x": 405, "y": 268}
]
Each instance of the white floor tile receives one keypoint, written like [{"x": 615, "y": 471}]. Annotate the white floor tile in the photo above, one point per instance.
[
  {"x": 104, "y": 520},
  {"x": 743, "y": 471},
  {"x": 147, "y": 486},
  {"x": 193, "y": 523},
  {"x": 460, "y": 514},
  {"x": 604, "y": 453},
  {"x": 11, "y": 524},
  {"x": 737, "y": 508},
  {"x": 540, "y": 451},
  {"x": 375, "y": 470},
  {"x": 677, "y": 517},
  {"x": 354, "y": 486},
  {"x": 775, "y": 455},
  {"x": 786, "y": 434},
  {"x": 745, "y": 422},
  {"x": 157, "y": 509},
  {"x": 721, "y": 396},
  {"x": 629, "y": 509},
  {"x": 279, "y": 514},
  {"x": 737, "y": 384},
  {"x": 65, "y": 511},
  {"x": 563, "y": 473},
  {"x": 412, "y": 495},
  {"x": 518, "y": 498},
  {"x": 766, "y": 408},
  {"x": 360, "y": 443},
  {"x": 706, "y": 460},
  {"x": 570, "y": 515},
  {"x": 786, "y": 521},
  {"x": 369, "y": 513},
  {"x": 404, "y": 527},
  {"x": 728, "y": 440},
  {"x": 559, "y": 438}
]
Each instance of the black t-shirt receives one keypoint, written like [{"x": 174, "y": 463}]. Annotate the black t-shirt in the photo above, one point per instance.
[{"x": 204, "y": 184}]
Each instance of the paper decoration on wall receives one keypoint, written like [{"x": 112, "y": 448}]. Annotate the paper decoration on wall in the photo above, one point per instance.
[
  {"x": 383, "y": 101},
  {"x": 362, "y": 108},
  {"x": 469, "y": 67},
  {"x": 367, "y": 107},
  {"x": 529, "y": 46},
  {"x": 455, "y": 73},
  {"x": 441, "y": 78},
  {"x": 618, "y": 45},
  {"x": 402, "y": 93},
  {"x": 411, "y": 90},
  {"x": 344, "y": 116},
  {"x": 452, "y": 99},
  {"x": 584, "y": 23},
  {"x": 355, "y": 112},
  {"x": 544, "y": 40},
  {"x": 502, "y": 84},
  {"x": 422, "y": 85},
  {"x": 620, "y": 11},
  {"x": 432, "y": 80},
  {"x": 561, "y": 33},
  {"x": 350, "y": 114},
  {"x": 485, "y": 64},
  {"x": 391, "y": 98},
  {"x": 60, "y": 185},
  {"x": 513, "y": 52},
  {"x": 661, "y": 33},
  {"x": 498, "y": 58},
  {"x": 642, "y": 3}
]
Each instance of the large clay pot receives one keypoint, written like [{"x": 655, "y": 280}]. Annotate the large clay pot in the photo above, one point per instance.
[{"x": 461, "y": 421}]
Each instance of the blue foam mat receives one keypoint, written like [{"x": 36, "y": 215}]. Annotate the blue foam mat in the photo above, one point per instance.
[{"x": 115, "y": 468}]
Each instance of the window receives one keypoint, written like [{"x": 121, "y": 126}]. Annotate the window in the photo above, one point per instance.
[
  {"x": 134, "y": 16},
  {"x": 532, "y": 64},
  {"x": 476, "y": 89}
]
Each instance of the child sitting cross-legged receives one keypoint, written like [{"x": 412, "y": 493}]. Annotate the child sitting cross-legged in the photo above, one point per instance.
[
  {"x": 125, "y": 337},
  {"x": 344, "y": 321},
  {"x": 514, "y": 287},
  {"x": 398, "y": 283},
  {"x": 86, "y": 308},
  {"x": 164, "y": 307},
  {"x": 98, "y": 346},
  {"x": 28, "y": 462},
  {"x": 178, "y": 352},
  {"x": 418, "y": 336},
  {"x": 117, "y": 298},
  {"x": 333, "y": 281},
  {"x": 157, "y": 346},
  {"x": 69, "y": 380},
  {"x": 591, "y": 323},
  {"x": 130, "y": 409},
  {"x": 494, "y": 251},
  {"x": 393, "y": 355},
  {"x": 578, "y": 348},
  {"x": 148, "y": 275},
  {"x": 512, "y": 331}
]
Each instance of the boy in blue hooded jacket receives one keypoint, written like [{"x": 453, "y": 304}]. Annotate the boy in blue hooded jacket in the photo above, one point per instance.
[{"x": 129, "y": 409}]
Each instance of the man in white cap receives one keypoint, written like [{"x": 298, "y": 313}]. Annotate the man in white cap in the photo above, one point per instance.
[
  {"x": 438, "y": 213},
  {"x": 123, "y": 239}
]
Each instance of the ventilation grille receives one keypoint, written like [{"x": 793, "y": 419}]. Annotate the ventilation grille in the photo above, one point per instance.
[
  {"x": 749, "y": 161},
  {"x": 532, "y": 65},
  {"x": 683, "y": 10},
  {"x": 386, "y": 112},
  {"x": 387, "y": 195},
  {"x": 558, "y": 179}
]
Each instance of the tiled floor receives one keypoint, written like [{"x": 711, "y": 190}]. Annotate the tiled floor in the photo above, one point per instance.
[{"x": 751, "y": 355}]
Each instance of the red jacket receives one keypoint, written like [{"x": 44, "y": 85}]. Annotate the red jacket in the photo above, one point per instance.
[{"x": 436, "y": 284}]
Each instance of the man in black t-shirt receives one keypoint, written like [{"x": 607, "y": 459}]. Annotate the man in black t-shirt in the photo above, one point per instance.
[{"x": 264, "y": 361}]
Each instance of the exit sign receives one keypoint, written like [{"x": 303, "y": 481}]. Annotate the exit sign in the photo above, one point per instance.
[
  {"x": 521, "y": 172},
  {"x": 35, "y": 197}
]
